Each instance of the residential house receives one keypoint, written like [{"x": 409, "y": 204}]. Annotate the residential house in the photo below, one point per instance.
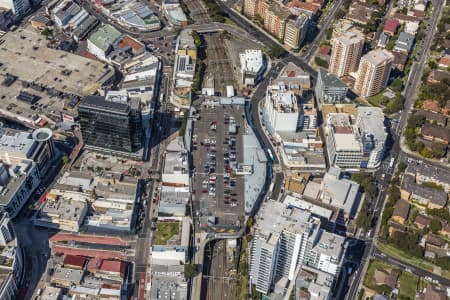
[
  {"x": 403, "y": 19},
  {"x": 296, "y": 7},
  {"x": 386, "y": 277},
  {"x": 360, "y": 12},
  {"x": 433, "y": 239},
  {"x": 445, "y": 231},
  {"x": 446, "y": 109},
  {"x": 400, "y": 59},
  {"x": 431, "y": 105},
  {"x": 384, "y": 40},
  {"x": 422, "y": 221},
  {"x": 394, "y": 227},
  {"x": 405, "y": 42},
  {"x": 434, "y": 118},
  {"x": 428, "y": 197},
  {"x": 401, "y": 211},
  {"x": 429, "y": 173},
  {"x": 391, "y": 27},
  {"x": 437, "y": 76},
  {"x": 433, "y": 293},
  {"x": 324, "y": 50},
  {"x": 435, "y": 134},
  {"x": 444, "y": 62}
]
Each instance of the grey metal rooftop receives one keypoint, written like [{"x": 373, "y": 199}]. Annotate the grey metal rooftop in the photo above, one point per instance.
[{"x": 329, "y": 79}]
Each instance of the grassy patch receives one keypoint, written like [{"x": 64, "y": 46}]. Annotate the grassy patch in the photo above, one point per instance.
[
  {"x": 434, "y": 186},
  {"x": 408, "y": 285},
  {"x": 228, "y": 21},
  {"x": 402, "y": 256},
  {"x": 321, "y": 62},
  {"x": 378, "y": 100},
  {"x": 242, "y": 284},
  {"x": 165, "y": 231}
]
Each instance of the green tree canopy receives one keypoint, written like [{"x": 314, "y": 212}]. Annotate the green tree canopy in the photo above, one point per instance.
[{"x": 435, "y": 225}]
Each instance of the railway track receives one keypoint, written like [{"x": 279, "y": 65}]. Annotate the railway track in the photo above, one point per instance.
[
  {"x": 220, "y": 287},
  {"x": 218, "y": 63},
  {"x": 198, "y": 11}
]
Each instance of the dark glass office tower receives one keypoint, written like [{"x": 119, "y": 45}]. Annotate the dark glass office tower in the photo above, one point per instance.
[{"x": 111, "y": 124}]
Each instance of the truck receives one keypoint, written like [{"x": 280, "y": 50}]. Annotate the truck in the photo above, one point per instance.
[
  {"x": 269, "y": 153},
  {"x": 391, "y": 163}
]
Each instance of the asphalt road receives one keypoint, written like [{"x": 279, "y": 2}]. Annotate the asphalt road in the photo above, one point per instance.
[
  {"x": 145, "y": 237},
  {"x": 417, "y": 68},
  {"x": 411, "y": 269},
  {"x": 396, "y": 152},
  {"x": 331, "y": 15},
  {"x": 262, "y": 37}
]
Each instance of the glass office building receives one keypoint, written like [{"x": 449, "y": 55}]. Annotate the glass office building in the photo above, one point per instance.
[{"x": 112, "y": 124}]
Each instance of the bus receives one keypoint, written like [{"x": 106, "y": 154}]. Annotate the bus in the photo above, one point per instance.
[
  {"x": 270, "y": 154},
  {"x": 391, "y": 163}
]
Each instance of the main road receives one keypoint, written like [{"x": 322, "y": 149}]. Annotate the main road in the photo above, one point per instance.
[
  {"x": 145, "y": 237},
  {"x": 264, "y": 37},
  {"x": 417, "y": 68},
  {"x": 413, "y": 83},
  {"x": 331, "y": 16}
]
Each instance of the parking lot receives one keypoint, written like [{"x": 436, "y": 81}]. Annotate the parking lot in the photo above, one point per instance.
[{"x": 217, "y": 151}]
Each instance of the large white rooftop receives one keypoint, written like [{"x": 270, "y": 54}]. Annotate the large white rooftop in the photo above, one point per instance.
[
  {"x": 339, "y": 192},
  {"x": 351, "y": 37},
  {"x": 274, "y": 217},
  {"x": 378, "y": 56},
  {"x": 20, "y": 142},
  {"x": 251, "y": 60},
  {"x": 370, "y": 121},
  {"x": 346, "y": 141}
]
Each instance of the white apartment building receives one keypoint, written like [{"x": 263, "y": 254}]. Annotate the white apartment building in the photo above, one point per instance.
[
  {"x": 17, "y": 184},
  {"x": 373, "y": 72},
  {"x": 346, "y": 52},
  {"x": 358, "y": 144},
  {"x": 287, "y": 238},
  {"x": 326, "y": 256},
  {"x": 11, "y": 265},
  {"x": 16, "y": 146},
  {"x": 281, "y": 108},
  {"x": 343, "y": 143},
  {"x": 370, "y": 122},
  {"x": 18, "y": 7},
  {"x": 253, "y": 66}
]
